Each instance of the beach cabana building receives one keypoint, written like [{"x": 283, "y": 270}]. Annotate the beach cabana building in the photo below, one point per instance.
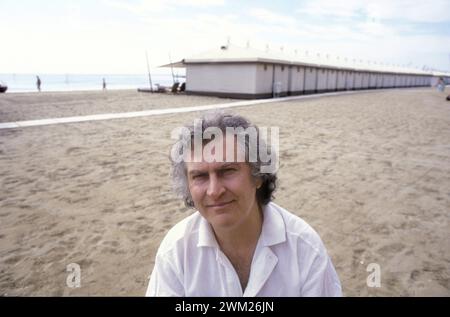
[{"x": 247, "y": 73}]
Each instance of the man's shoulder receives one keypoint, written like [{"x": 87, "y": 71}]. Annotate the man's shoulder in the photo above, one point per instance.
[
  {"x": 298, "y": 229},
  {"x": 179, "y": 233}
]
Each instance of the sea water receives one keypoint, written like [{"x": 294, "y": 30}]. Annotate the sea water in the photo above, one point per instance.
[{"x": 75, "y": 82}]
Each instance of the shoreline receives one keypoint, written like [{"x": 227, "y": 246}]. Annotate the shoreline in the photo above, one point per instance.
[
  {"x": 67, "y": 91},
  {"x": 26, "y": 83}
]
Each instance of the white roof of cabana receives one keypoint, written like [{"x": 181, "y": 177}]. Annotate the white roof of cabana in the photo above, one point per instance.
[
  {"x": 235, "y": 54},
  {"x": 440, "y": 74}
]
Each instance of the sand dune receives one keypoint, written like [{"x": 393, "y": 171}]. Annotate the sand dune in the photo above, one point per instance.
[{"x": 370, "y": 172}]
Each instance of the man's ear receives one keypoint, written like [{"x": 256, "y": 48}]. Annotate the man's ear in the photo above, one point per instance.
[{"x": 259, "y": 183}]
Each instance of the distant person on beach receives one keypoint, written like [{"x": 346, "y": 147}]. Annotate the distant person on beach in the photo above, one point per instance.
[
  {"x": 238, "y": 242},
  {"x": 441, "y": 84},
  {"x": 38, "y": 83},
  {"x": 104, "y": 84}
]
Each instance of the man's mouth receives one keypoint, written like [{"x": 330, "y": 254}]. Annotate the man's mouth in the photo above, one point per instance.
[{"x": 218, "y": 205}]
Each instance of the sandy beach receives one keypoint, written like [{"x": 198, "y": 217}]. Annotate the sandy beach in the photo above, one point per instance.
[{"x": 370, "y": 172}]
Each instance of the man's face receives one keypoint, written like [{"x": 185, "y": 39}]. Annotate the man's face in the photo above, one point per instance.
[{"x": 223, "y": 192}]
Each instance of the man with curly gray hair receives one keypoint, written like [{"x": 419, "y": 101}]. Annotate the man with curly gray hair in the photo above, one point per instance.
[{"x": 238, "y": 242}]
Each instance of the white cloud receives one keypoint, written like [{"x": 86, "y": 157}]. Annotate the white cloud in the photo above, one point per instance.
[
  {"x": 143, "y": 7},
  {"x": 267, "y": 16},
  {"x": 317, "y": 8},
  {"x": 200, "y": 3},
  {"x": 402, "y": 10},
  {"x": 375, "y": 29},
  {"x": 430, "y": 11}
]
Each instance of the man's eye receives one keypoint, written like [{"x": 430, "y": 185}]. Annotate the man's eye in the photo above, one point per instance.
[
  {"x": 199, "y": 176},
  {"x": 229, "y": 171}
]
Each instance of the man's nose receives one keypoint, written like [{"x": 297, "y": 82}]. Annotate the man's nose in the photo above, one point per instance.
[{"x": 215, "y": 187}]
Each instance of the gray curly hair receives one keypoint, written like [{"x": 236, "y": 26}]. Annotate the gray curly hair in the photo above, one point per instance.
[{"x": 223, "y": 120}]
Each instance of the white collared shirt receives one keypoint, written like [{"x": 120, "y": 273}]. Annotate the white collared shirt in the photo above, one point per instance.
[{"x": 290, "y": 260}]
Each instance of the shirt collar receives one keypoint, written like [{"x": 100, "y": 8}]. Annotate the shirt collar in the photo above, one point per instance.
[
  {"x": 273, "y": 229},
  {"x": 206, "y": 237}
]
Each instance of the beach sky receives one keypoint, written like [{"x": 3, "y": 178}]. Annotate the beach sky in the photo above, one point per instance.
[{"x": 111, "y": 36}]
